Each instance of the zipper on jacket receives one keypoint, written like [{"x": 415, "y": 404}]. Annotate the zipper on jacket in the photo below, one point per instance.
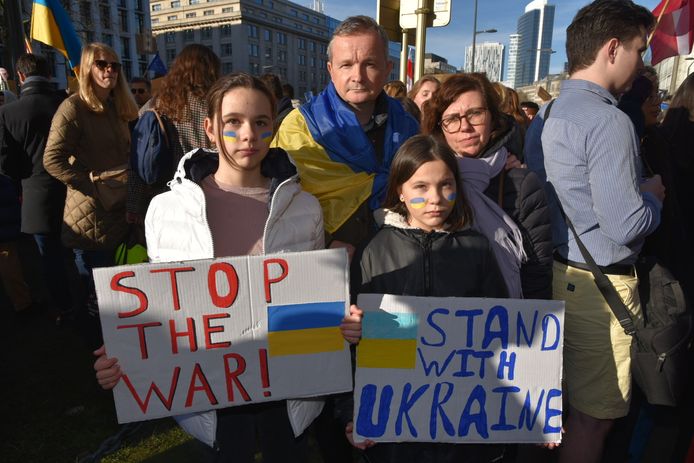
[
  {"x": 426, "y": 245},
  {"x": 272, "y": 202}
]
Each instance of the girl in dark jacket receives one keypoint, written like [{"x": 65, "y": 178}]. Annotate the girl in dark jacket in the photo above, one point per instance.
[{"x": 426, "y": 248}]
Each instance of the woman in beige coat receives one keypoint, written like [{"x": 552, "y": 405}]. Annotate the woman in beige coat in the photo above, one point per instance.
[{"x": 88, "y": 150}]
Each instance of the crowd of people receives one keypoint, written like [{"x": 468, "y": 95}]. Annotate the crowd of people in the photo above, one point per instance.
[{"x": 459, "y": 174}]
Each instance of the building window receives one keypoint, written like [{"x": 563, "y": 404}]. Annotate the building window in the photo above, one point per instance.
[
  {"x": 255, "y": 68},
  {"x": 208, "y": 12},
  {"x": 313, "y": 61},
  {"x": 140, "y": 18},
  {"x": 226, "y": 49},
  {"x": 228, "y": 9},
  {"x": 188, "y": 35},
  {"x": 281, "y": 38},
  {"x": 259, "y": 2},
  {"x": 312, "y": 46},
  {"x": 304, "y": 16},
  {"x": 226, "y": 30},
  {"x": 175, "y": 4},
  {"x": 253, "y": 31},
  {"x": 206, "y": 33},
  {"x": 156, "y": 7},
  {"x": 194, "y": 2},
  {"x": 282, "y": 56},
  {"x": 105, "y": 12},
  {"x": 301, "y": 44},
  {"x": 173, "y": 17},
  {"x": 315, "y": 20},
  {"x": 302, "y": 76},
  {"x": 107, "y": 39},
  {"x": 268, "y": 53},
  {"x": 267, "y": 35},
  {"x": 170, "y": 55},
  {"x": 227, "y": 68},
  {"x": 293, "y": 12},
  {"x": 124, "y": 46},
  {"x": 124, "y": 21},
  {"x": 253, "y": 49},
  {"x": 302, "y": 60},
  {"x": 323, "y": 48},
  {"x": 191, "y": 15},
  {"x": 170, "y": 37},
  {"x": 155, "y": 20}
]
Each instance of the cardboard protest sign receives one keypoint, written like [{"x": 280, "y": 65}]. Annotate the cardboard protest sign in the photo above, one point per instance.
[
  {"x": 197, "y": 335},
  {"x": 458, "y": 370}
]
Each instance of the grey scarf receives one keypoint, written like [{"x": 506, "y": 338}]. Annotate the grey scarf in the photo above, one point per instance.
[{"x": 491, "y": 220}]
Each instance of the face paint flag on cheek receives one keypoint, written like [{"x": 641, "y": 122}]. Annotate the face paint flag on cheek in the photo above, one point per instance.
[
  {"x": 230, "y": 136},
  {"x": 266, "y": 137},
  {"x": 451, "y": 198},
  {"x": 418, "y": 203}
]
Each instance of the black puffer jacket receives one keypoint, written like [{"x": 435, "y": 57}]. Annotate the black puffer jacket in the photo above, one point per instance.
[
  {"x": 523, "y": 199},
  {"x": 408, "y": 261}
]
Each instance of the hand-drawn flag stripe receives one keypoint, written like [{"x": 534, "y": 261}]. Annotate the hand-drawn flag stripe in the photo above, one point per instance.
[
  {"x": 305, "y": 316},
  {"x": 387, "y": 353},
  {"x": 307, "y": 341},
  {"x": 389, "y": 325}
]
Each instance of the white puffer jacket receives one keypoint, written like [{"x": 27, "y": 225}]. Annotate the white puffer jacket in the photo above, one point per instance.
[{"x": 176, "y": 229}]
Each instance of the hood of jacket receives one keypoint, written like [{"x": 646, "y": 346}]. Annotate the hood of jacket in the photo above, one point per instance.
[{"x": 504, "y": 139}]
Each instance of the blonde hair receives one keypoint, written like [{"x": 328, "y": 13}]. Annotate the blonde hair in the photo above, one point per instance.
[{"x": 122, "y": 97}]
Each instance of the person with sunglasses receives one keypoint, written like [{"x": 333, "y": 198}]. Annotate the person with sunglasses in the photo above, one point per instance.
[
  {"x": 88, "y": 150},
  {"x": 141, "y": 89},
  {"x": 508, "y": 204}
]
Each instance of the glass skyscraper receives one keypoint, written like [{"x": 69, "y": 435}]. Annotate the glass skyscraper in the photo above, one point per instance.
[{"x": 532, "y": 54}]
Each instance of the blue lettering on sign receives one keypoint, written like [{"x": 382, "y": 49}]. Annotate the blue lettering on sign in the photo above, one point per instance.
[
  {"x": 500, "y": 314},
  {"x": 506, "y": 361},
  {"x": 521, "y": 328},
  {"x": 365, "y": 426},
  {"x": 545, "y": 327},
  {"x": 527, "y": 418},
  {"x": 502, "y": 425},
  {"x": 430, "y": 320},
  {"x": 465, "y": 354},
  {"x": 437, "y": 409},
  {"x": 479, "y": 419},
  {"x": 551, "y": 412},
  {"x": 470, "y": 315},
  {"x": 434, "y": 365},
  {"x": 406, "y": 403}
]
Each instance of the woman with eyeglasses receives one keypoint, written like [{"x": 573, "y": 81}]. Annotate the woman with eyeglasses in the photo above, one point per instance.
[
  {"x": 508, "y": 203},
  {"x": 88, "y": 150}
]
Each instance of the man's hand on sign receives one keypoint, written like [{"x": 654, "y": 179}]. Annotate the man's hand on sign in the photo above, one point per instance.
[
  {"x": 342, "y": 244},
  {"x": 351, "y": 325},
  {"x": 362, "y": 445},
  {"x": 107, "y": 369}
]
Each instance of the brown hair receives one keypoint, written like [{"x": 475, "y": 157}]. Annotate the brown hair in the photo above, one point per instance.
[
  {"x": 122, "y": 97},
  {"x": 450, "y": 90},
  {"x": 510, "y": 104},
  {"x": 193, "y": 72},
  {"x": 216, "y": 95},
  {"x": 424, "y": 79},
  {"x": 416, "y": 151},
  {"x": 395, "y": 89},
  {"x": 597, "y": 23}
]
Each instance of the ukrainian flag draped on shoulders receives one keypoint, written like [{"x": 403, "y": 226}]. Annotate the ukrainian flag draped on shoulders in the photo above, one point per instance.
[
  {"x": 336, "y": 160},
  {"x": 51, "y": 25}
]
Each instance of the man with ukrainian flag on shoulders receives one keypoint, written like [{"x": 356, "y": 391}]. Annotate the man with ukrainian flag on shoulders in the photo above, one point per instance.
[{"x": 343, "y": 140}]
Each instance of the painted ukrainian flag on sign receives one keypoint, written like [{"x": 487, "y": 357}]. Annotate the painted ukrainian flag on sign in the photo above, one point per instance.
[
  {"x": 389, "y": 340},
  {"x": 298, "y": 329},
  {"x": 51, "y": 25}
]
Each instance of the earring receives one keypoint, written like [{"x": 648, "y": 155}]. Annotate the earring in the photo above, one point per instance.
[{"x": 402, "y": 198}]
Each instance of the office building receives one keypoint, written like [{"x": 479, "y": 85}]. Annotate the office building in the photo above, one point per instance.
[
  {"x": 489, "y": 58},
  {"x": 254, "y": 36},
  {"x": 534, "y": 44}
]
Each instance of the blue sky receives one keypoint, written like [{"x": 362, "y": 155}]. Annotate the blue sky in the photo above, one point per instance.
[{"x": 450, "y": 41}]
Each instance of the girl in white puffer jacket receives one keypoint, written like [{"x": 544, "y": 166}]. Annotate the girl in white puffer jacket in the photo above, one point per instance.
[{"x": 244, "y": 200}]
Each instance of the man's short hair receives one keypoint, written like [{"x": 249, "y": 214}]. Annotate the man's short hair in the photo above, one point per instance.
[
  {"x": 358, "y": 25},
  {"x": 600, "y": 21},
  {"x": 273, "y": 83},
  {"x": 142, "y": 80},
  {"x": 530, "y": 104},
  {"x": 33, "y": 65}
]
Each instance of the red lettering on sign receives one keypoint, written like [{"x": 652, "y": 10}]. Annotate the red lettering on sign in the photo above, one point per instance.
[
  {"x": 141, "y": 335},
  {"x": 232, "y": 377},
  {"x": 233, "y": 280},
  {"x": 266, "y": 275},
  {"x": 167, "y": 401},
  {"x": 174, "y": 283},
  {"x": 117, "y": 286},
  {"x": 214, "y": 329},
  {"x": 189, "y": 333},
  {"x": 204, "y": 386}
]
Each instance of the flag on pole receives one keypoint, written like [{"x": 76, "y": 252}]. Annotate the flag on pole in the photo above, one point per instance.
[
  {"x": 157, "y": 66},
  {"x": 674, "y": 33},
  {"x": 51, "y": 25},
  {"x": 410, "y": 67},
  {"x": 27, "y": 45}
]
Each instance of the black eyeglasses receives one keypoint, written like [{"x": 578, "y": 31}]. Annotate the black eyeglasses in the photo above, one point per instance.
[
  {"x": 474, "y": 116},
  {"x": 102, "y": 65},
  {"x": 138, "y": 91}
]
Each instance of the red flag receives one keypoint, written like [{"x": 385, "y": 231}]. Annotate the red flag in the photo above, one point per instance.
[
  {"x": 675, "y": 32},
  {"x": 410, "y": 68}
]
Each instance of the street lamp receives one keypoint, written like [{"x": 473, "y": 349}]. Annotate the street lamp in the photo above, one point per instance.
[{"x": 474, "y": 37}]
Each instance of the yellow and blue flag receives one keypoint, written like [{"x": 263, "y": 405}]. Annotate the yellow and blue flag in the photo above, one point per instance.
[
  {"x": 389, "y": 340},
  {"x": 309, "y": 328},
  {"x": 51, "y": 25}
]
